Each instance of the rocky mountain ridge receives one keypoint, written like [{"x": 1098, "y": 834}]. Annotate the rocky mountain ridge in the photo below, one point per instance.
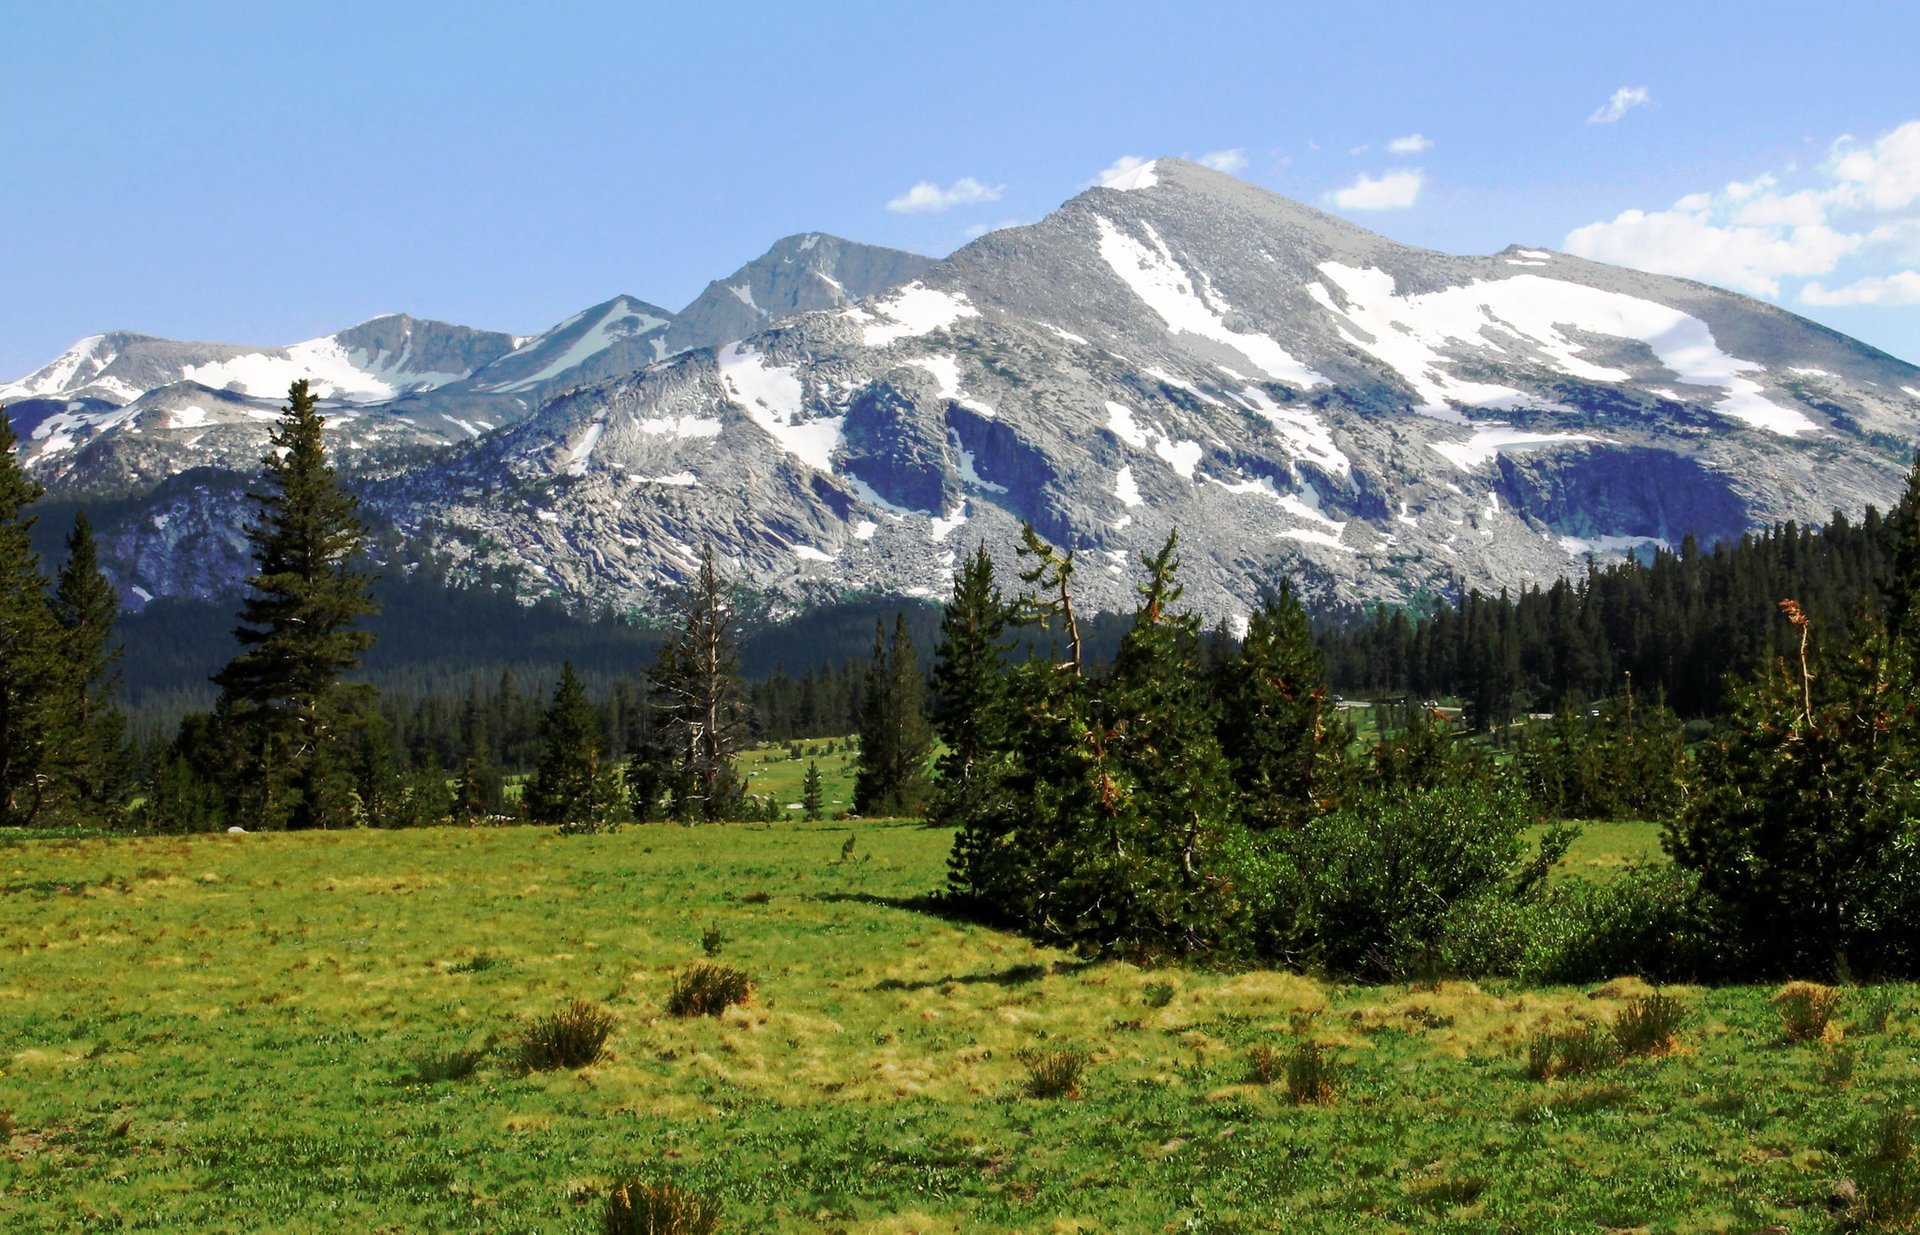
[{"x": 1297, "y": 395}]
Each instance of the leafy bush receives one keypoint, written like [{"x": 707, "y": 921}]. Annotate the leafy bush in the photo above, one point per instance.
[
  {"x": 1310, "y": 1075},
  {"x": 569, "y": 1038},
  {"x": 1575, "y": 1051},
  {"x": 1157, "y": 994},
  {"x": 1054, "y": 1073},
  {"x": 712, "y": 940},
  {"x": 1649, "y": 1023},
  {"x": 705, "y": 989},
  {"x": 1372, "y": 884},
  {"x": 639, "y": 1207},
  {"x": 1806, "y": 1008}
]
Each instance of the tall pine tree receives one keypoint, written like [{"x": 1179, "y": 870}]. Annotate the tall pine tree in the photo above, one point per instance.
[
  {"x": 97, "y": 769},
  {"x": 283, "y": 711},
  {"x": 575, "y": 787},
  {"x": 895, "y": 739},
  {"x": 35, "y": 695},
  {"x": 1282, "y": 737},
  {"x": 970, "y": 708}
]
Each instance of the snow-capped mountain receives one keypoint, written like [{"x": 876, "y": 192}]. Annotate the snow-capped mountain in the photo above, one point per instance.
[
  {"x": 1297, "y": 395},
  {"x": 121, "y": 413}
]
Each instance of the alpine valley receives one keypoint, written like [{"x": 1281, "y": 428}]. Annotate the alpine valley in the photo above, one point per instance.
[{"x": 1298, "y": 396}]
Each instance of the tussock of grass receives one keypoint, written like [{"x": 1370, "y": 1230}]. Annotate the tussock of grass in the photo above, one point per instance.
[
  {"x": 1054, "y": 1073},
  {"x": 570, "y": 1038},
  {"x": 1649, "y": 1024},
  {"x": 1806, "y": 1010},
  {"x": 457, "y": 1064},
  {"x": 1572, "y": 1051},
  {"x": 1310, "y": 1075},
  {"x": 706, "y": 989},
  {"x": 641, "y": 1207}
]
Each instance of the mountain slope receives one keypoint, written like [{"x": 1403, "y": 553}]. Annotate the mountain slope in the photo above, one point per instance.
[{"x": 1296, "y": 394}]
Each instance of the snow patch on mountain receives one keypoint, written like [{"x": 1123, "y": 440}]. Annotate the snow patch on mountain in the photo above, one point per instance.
[
  {"x": 775, "y": 400},
  {"x": 914, "y": 310},
  {"x": 1489, "y": 440}
]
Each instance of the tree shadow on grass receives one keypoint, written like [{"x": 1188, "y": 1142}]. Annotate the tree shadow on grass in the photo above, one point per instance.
[{"x": 1013, "y": 975}]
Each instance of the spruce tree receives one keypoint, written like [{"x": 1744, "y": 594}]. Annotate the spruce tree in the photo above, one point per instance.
[
  {"x": 479, "y": 791},
  {"x": 1282, "y": 738},
  {"x": 35, "y": 696},
  {"x": 895, "y": 739},
  {"x": 283, "y": 709},
  {"x": 574, "y": 787},
  {"x": 969, "y": 693},
  {"x": 812, "y": 797},
  {"x": 97, "y": 763}
]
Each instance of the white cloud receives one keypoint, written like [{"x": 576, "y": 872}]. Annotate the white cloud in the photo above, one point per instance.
[
  {"x": 1624, "y": 100},
  {"x": 1895, "y": 289},
  {"x": 1412, "y": 143},
  {"x": 1884, "y": 176},
  {"x": 1358, "y": 149},
  {"x": 980, "y": 229},
  {"x": 1862, "y": 210},
  {"x": 1393, "y": 191},
  {"x": 929, "y": 198},
  {"x": 1229, "y": 161},
  {"x": 1116, "y": 169},
  {"x": 1692, "y": 245}
]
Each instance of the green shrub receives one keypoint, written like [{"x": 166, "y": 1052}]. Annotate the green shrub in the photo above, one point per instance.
[
  {"x": 712, "y": 940},
  {"x": 705, "y": 989},
  {"x": 1806, "y": 1008},
  {"x": 1647, "y": 1024},
  {"x": 1836, "y": 1065},
  {"x": 1372, "y": 883},
  {"x": 479, "y": 962},
  {"x": 1158, "y": 994},
  {"x": 639, "y": 1207},
  {"x": 1310, "y": 1075},
  {"x": 569, "y": 1038},
  {"x": 1054, "y": 1073}
]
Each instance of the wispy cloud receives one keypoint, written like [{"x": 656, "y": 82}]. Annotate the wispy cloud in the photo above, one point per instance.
[
  {"x": 1624, "y": 100},
  {"x": 1412, "y": 143},
  {"x": 1392, "y": 191},
  {"x": 1894, "y": 289},
  {"x": 1862, "y": 211},
  {"x": 1229, "y": 161},
  {"x": 980, "y": 229},
  {"x": 929, "y": 198}
]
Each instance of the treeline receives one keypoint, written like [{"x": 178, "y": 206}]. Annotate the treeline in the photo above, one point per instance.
[{"x": 1679, "y": 624}]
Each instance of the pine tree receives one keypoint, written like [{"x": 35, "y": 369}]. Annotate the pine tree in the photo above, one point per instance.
[
  {"x": 696, "y": 679},
  {"x": 97, "y": 765},
  {"x": 574, "y": 787},
  {"x": 895, "y": 739},
  {"x": 1277, "y": 725},
  {"x": 871, "y": 790},
  {"x": 812, "y": 796},
  {"x": 283, "y": 708},
  {"x": 969, "y": 693},
  {"x": 35, "y": 685},
  {"x": 479, "y": 793}
]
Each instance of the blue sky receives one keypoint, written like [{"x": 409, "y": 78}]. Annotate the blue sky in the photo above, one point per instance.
[{"x": 265, "y": 173}]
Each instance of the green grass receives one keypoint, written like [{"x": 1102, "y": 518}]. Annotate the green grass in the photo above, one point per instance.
[
  {"x": 768, "y": 769},
  {"x": 271, "y": 1032}
]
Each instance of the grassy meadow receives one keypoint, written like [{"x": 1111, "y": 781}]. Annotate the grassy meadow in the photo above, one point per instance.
[{"x": 226, "y": 1033}]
